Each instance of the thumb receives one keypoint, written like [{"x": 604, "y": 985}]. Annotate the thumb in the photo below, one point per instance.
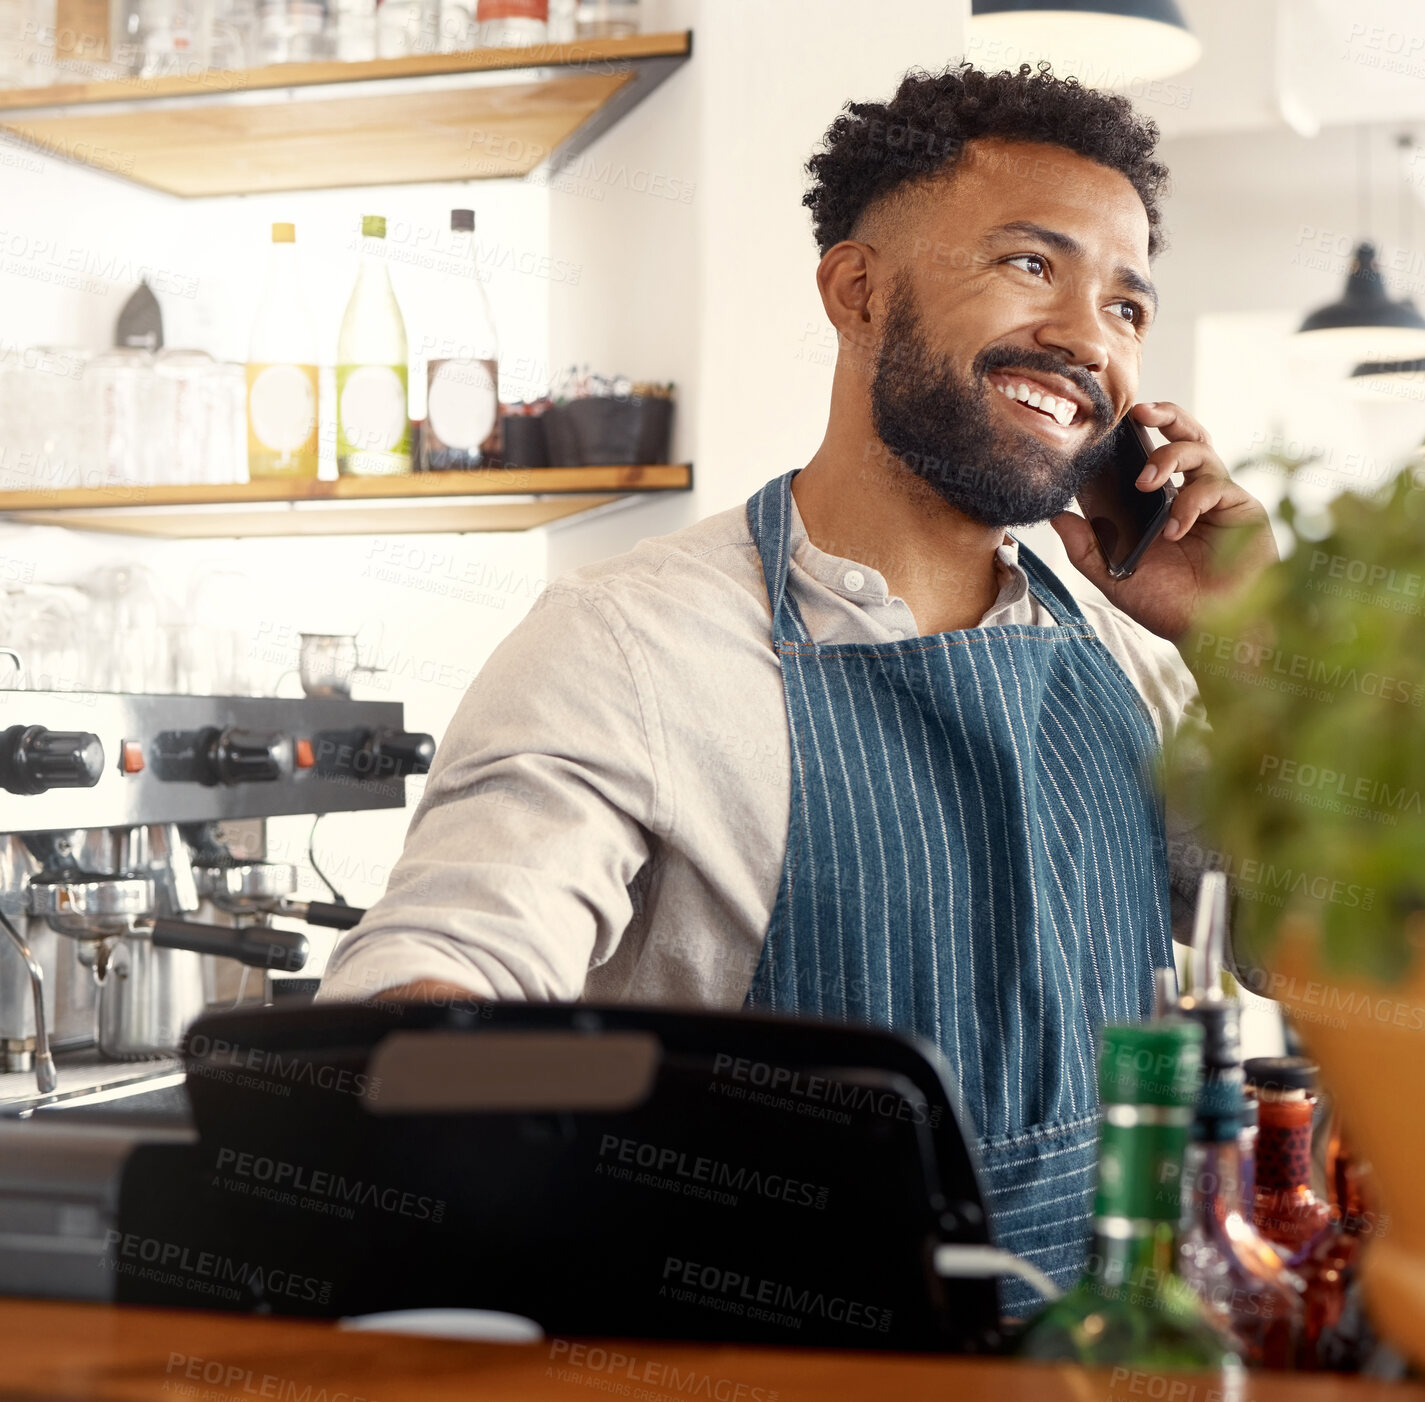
[{"x": 1082, "y": 549}]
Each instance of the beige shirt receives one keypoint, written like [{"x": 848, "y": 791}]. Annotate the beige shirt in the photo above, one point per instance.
[{"x": 607, "y": 815}]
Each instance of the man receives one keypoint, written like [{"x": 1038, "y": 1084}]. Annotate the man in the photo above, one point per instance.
[{"x": 850, "y": 750}]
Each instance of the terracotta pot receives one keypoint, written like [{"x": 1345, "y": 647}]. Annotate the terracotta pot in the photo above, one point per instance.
[{"x": 1370, "y": 1040}]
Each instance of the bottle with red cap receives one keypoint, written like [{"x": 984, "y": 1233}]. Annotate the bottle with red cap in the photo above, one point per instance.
[{"x": 1286, "y": 1209}]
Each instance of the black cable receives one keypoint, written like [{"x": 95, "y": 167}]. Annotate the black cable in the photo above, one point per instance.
[{"x": 312, "y": 860}]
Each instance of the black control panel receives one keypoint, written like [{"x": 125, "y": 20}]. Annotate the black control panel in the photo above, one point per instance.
[
  {"x": 220, "y": 756},
  {"x": 94, "y": 759},
  {"x": 34, "y": 760},
  {"x": 384, "y": 753}
]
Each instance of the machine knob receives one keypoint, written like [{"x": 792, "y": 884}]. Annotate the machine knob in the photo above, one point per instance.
[
  {"x": 246, "y": 756},
  {"x": 397, "y": 753},
  {"x": 34, "y": 760}
]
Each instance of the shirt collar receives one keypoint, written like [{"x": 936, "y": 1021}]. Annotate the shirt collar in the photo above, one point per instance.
[{"x": 863, "y": 584}]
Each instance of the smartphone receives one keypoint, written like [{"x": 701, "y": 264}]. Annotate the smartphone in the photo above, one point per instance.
[{"x": 1125, "y": 521}]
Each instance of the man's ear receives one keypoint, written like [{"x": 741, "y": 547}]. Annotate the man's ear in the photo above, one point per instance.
[{"x": 847, "y": 278}]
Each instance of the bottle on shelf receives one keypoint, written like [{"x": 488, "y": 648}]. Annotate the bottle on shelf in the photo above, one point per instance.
[
  {"x": 1286, "y": 1209},
  {"x": 373, "y": 429},
  {"x": 1339, "y": 1337},
  {"x": 1237, "y": 1272},
  {"x": 461, "y": 355},
  {"x": 282, "y": 371},
  {"x": 1132, "y": 1307},
  {"x": 507, "y": 23}
]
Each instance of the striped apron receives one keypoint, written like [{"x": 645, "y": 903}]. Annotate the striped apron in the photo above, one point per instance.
[{"x": 975, "y": 855}]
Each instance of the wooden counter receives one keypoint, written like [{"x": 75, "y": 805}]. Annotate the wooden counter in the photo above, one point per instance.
[{"x": 98, "y": 1353}]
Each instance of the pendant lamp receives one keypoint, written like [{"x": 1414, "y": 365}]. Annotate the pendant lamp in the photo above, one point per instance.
[
  {"x": 1103, "y": 43},
  {"x": 1401, "y": 380},
  {"x": 1364, "y": 324}
]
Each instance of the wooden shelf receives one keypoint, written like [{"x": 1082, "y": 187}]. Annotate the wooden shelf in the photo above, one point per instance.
[
  {"x": 490, "y": 499},
  {"x": 483, "y": 114}
]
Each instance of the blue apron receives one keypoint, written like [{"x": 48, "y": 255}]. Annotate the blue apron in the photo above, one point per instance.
[{"x": 976, "y": 855}]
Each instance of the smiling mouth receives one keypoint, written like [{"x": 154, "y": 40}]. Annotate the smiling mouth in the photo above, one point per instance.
[{"x": 1062, "y": 411}]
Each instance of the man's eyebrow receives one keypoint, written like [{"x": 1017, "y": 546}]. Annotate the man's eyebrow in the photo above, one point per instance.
[{"x": 1067, "y": 243}]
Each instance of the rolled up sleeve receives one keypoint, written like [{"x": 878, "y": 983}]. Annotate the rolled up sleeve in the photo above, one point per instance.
[{"x": 538, "y": 813}]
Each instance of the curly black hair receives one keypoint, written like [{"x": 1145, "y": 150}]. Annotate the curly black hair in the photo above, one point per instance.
[{"x": 874, "y": 148}]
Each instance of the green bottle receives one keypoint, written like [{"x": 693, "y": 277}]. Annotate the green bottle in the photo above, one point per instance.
[
  {"x": 373, "y": 431},
  {"x": 1130, "y": 1307}
]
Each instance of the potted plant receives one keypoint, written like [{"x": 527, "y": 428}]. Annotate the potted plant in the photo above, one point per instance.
[{"x": 1311, "y": 781}]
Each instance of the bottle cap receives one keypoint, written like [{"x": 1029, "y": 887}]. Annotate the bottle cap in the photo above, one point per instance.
[
  {"x": 1281, "y": 1073},
  {"x": 1155, "y": 1063},
  {"x": 462, "y": 221},
  {"x": 284, "y": 233},
  {"x": 373, "y": 226},
  {"x": 1220, "y": 1019}
]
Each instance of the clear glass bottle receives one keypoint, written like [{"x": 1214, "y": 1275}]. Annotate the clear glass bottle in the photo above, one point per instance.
[
  {"x": 1131, "y": 1306},
  {"x": 1221, "y": 1255},
  {"x": 1285, "y": 1207},
  {"x": 373, "y": 436},
  {"x": 282, "y": 371},
  {"x": 507, "y": 23},
  {"x": 462, "y": 364},
  {"x": 608, "y": 19}
]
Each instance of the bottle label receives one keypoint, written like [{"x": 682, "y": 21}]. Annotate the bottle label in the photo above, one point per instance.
[
  {"x": 513, "y": 9},
  {"x": 1140, "y": 1171},
  {"x": 282, "y": 408},
  {"x": 461, "y": 402},
  {"x": 371, "y": 410}
]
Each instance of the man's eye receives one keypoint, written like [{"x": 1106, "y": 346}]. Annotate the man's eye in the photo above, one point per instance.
[
  {"x": 1131, "y": 312},
  {"x": 1020, "y": 259}
]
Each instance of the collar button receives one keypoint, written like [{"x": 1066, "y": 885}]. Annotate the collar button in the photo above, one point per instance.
[{"x": 853, "y": 580}]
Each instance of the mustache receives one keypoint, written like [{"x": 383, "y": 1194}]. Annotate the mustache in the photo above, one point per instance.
[{"x": 1008, "y": 358}]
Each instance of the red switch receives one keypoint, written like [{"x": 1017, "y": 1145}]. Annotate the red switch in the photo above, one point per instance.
[
  {"x": 132, "y": 762},
  {"x": 302, "y": 754}
]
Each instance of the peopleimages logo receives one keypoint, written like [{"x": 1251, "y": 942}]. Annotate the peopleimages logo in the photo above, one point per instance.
[
  {"x": 321, "y": 1189},
  {"x": 682, "y": 1279},
  {"x": 820, "y": 1097},
  {"x": 172, "y": 1263}
]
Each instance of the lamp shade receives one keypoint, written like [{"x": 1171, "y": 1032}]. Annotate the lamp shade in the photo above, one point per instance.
[
  {"x": 1400, "y": 380},
  {"x": 1364, "y": 325},
  {"x": 1103, "y": 43}
]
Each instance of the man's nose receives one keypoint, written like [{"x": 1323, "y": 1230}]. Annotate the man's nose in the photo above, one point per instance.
[{"x": 1073, "y": 326}]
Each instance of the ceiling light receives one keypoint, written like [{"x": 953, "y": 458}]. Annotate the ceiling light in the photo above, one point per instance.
[
  {"x": 1400, "y": 380},
  {"x": 1103, "y": 43},
  {"x": 1364, "y": 324}
]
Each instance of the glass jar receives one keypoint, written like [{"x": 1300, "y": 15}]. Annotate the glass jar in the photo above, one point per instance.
[{"x": 608, "y": 19}]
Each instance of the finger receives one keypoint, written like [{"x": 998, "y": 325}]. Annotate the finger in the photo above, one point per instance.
[
  {"x": 1082, "y": 550},
  {"x": 1171, "y": 420},
  {"x": 1191, "y": 458},
  {"x": 1198, "y": 499}
]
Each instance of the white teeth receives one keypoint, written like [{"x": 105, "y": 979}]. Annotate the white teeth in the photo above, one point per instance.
[
  {"x": 1064, "y": 412},
  {"x": 1036, "y": 398},
  {"x": 1022, "y": 394},
  {"x": 1048, "y": 403}
]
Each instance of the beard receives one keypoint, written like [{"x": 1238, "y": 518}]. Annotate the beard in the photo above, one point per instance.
[{"x": 938, "y": 427}]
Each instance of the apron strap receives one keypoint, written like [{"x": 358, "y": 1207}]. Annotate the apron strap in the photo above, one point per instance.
[
  {"x": 769, "y": 517},
  {"x": 1050, "y": 590}
]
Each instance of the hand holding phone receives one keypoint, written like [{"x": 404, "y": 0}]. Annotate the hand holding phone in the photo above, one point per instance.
[{"x": 1125, "y": 521}]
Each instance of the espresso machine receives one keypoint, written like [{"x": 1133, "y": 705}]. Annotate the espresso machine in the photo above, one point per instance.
[{"x": 119, "y": 878}]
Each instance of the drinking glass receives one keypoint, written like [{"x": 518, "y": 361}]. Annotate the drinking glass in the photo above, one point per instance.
[
  {"x": 119, "y": 386},
  {"x": 183, "y": 404},
  {"x": 128, "y": 644}
]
